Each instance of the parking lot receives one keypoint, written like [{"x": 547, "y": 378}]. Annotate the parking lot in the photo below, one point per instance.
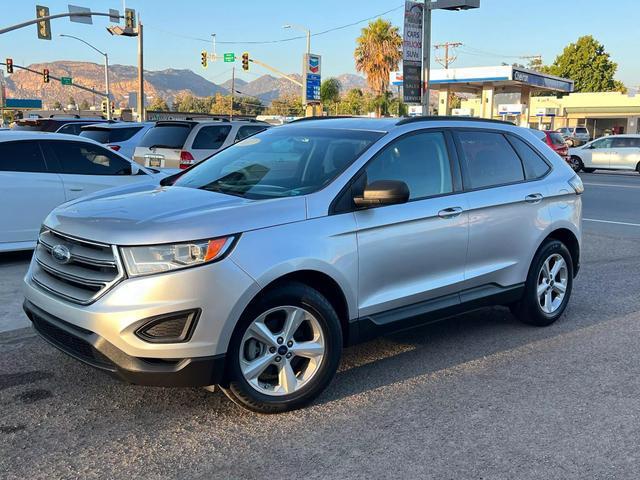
[{"x": 477, "y": 396}]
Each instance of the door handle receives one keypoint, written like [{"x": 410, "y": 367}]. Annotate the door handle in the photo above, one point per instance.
[
  {"x": 450, "y": 212},
  {"x": 76, "y": 189},
  {"x": 533, "y": 198}
]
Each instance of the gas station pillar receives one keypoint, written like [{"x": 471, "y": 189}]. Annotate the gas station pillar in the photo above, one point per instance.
[
  {"x": 525, "y": 100},
  {"x": 443, "y": 101},
  {"x": 486, "y": 110}
]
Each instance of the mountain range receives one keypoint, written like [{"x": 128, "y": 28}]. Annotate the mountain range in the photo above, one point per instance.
[{"x": 166, "y": 84}]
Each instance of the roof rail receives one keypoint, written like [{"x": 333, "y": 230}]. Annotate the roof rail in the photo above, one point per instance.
[
  {"x": 328, "y": 117},
  {"x": 436, "y": 118}
]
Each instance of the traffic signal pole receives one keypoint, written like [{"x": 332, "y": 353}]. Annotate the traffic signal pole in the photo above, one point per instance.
[
  {"x": 141, "y": 109},
  {"x": 233, "y": 89}
]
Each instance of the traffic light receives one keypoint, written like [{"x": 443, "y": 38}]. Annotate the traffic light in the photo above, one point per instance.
[
  {"x": 129, "y": 18},
  {"x": 9, "y": 64},
  {"x": 203, "y": 59},
  {"x": 44, "y": 26},
  {"x": 45, "y": 75},
  {"x": 104, "y": 106},
  {"x": 245, "y": 61},
  {"x": 113, "y": 107}
]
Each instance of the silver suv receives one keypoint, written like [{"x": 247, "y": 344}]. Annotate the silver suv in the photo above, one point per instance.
[{"x": 253, "y": 269}]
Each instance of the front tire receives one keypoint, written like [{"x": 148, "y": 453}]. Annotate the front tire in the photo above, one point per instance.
[
  {"x": 576, "y": 163},
  {"x": 284, "y": 351},
  {"x": 548, "y": 286}
]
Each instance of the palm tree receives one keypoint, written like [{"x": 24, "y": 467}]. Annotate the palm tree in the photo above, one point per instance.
[{"x": 378, "y": 52}]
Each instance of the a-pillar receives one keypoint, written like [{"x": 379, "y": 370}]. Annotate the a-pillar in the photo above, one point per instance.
[
  {"x": 486, "y": 109},
  {"x": 443, "y": 101},
  {"x": 525, "y": 100}
]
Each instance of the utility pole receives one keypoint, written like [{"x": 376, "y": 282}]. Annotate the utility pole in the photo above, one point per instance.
[
  {"x": 447, "y": 60},
  {"x": 426, "y": 55},
  {"x": 141, "y": 110},
  {"x": 233, "y": 89}
]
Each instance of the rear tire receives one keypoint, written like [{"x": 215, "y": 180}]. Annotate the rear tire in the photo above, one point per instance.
[
  {"x": 294, "y": 377},
  {"x": 548, "y": 286}
]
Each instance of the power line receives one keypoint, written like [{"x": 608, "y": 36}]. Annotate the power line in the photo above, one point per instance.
[
  {"x": 282, "y": 40},
  {"x": 447, "y": 59}
]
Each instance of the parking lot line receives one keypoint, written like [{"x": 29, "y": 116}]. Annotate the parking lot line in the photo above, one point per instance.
[
  {"x": 611, "y": 221},
  {"x": 610, "y": 185}
]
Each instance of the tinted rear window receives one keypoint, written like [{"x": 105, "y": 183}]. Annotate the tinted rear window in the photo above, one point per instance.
[
  {"x": 556, "y": 138},
  {"x": 211, "y": 138},
  {"x": 534, "y": 166},
  {"x": 166, "y": 136},
  {"x": 581, "y": 130},
  {"x": 110, "y": 135}
]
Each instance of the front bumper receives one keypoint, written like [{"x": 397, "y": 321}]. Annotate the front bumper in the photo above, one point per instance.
[{"x": 94, "y": 350}]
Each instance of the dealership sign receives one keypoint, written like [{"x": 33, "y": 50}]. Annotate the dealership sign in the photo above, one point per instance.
[{"x": 412, "y": 51}]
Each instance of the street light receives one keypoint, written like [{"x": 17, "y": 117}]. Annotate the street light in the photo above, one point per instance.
[
  {"x": 430, "y": 5},
  {"x": 134, "y": 31},
  {"x": 302, "y": 29},
  {"x": 106, "y": 67}
]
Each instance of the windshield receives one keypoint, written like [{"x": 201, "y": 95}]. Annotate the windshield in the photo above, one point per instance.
[
  {"x": 280, "y": 162},
  {"x": 172, "y": 135}
]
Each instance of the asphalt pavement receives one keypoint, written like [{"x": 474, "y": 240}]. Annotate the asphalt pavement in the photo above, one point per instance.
[{"x": 479, "y": 396}]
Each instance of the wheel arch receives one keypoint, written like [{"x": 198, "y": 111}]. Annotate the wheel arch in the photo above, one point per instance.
[{"x": 570, "y": 240}]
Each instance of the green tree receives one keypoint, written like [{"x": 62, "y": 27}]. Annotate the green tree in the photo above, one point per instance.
[
  {"x": 286, "y": 106},
  {"x": 330, "y": 91},
  {"x": 84, "y": 105},
  {"x": 588, "y": 64},
  {"x": 57, "y": 105},
  {"x": 378, "y": 52},
  {"x": 158, "y": 104},
  {"x": 352, "y": 103},
  {"x": 72, "y": 101}
]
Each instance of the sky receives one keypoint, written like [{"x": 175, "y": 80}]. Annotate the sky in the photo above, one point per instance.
[{"x": 177, "y": 31}]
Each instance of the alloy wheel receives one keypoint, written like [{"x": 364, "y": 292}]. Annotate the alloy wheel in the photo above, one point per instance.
[
  {"x": 282, "y": 350},
  {"x": 553, "y": 280}
]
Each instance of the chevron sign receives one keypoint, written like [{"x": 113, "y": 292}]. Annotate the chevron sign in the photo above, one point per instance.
[{"x": 313, "y": 64}]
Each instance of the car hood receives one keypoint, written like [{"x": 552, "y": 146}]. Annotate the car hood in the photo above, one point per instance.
[{"x": 143, "y": 214}]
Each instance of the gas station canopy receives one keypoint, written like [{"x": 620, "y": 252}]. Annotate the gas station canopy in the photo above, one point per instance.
[{"x": 503, "y": 78}]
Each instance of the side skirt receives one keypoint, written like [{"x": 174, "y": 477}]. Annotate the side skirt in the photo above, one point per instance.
[{"x": 431, "y": 311}]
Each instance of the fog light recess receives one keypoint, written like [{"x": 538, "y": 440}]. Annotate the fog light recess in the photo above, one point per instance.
[{"x": 169, "y": 328}]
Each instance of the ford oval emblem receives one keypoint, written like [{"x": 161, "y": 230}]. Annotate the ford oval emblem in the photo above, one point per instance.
[{"x": 61, "y": 254}]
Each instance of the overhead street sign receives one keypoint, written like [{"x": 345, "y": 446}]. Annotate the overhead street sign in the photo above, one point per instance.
[
  {"x": 114, "y": 15},
  {"x": 66, "y": 80},
  {"x": 80, "y": 18},
  {"x": 229, "y": 57}
]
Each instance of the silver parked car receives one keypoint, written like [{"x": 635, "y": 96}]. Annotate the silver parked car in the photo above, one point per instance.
[{"x": 252, "y": 269}]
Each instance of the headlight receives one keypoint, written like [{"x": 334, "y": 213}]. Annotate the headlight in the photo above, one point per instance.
[{"x": 152, "y": 259}]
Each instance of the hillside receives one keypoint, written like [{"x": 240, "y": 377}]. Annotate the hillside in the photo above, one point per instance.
[
  {"x": 123, "y": 80},
  {"x": 164, "y": 83}
]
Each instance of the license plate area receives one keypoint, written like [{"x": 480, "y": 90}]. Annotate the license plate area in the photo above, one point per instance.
[{"x": 154, "y": 160}]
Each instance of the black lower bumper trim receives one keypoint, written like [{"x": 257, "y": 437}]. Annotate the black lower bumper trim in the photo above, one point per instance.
[{"x": 94, "y": 350}]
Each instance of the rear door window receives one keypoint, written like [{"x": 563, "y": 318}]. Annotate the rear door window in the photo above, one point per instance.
[
  {"x": 21, "y": 157},
  {"x": 211, "y": 138},
  {"x": 71, "y": 128},
  {"x": 556, "y": 138},
  {"x": 172, "y": 135},
  {"x": 82, "y": 158},
  {"x": 489, "y": 158}
]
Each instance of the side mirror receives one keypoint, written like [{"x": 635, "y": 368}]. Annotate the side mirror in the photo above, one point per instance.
[{"x": 383, "y": 192}]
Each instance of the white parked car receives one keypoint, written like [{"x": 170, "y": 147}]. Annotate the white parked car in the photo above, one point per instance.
[
  {"x": 616, "y": 152},
  {"x": 39, "y": 171},
  {"x": 182, "y": 143},
  {"x": 123, "y": 137}
]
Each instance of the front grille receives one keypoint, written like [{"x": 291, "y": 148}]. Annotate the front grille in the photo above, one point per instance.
[
  {"x": 91, "y": 269},
  {"x": 70, "y": 343}
]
